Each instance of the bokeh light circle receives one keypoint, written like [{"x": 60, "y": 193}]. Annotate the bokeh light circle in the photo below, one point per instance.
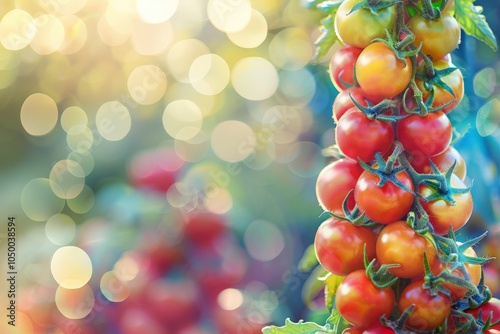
[
  {"x": 263, "y": 240},
  {"x": 17, "y": 29},
  {"x": 82, "y": 203},
  {"x": 75, "y": 303},
  {"x": 67, "y": 179},
  {"x": 181, "y": 55},
  {"x": 80, "y": 138},
  {"x": 60, "y": 229},
  {"x": 39, "y": 114},
  {"x": 49, "y": 34},
  {"x": 230, "y": 299},
  {"x": 229, "y": 15},
  {"x": 291, "y": 49},
  {"x": 147, "y": 84},
  {"x": 182, "y": 119},
  {"x": 254, "y": 33},
  {"x": 72, "y": 116},
  {"x": 113, "y": 288},
  {"x": 71, "y": 267},
  {"x": 233, "y": 141},
  {"x": 151, "y": 39},
  {"x": 113, "y": 121},
  {"x": 485, "y": 82},
  {"x": 154, "y": 11},
  {"x": 254, "y": 78},
  {"x": 218, "y": 200},
  {"x": 38, "y": 200},
  {"x": 306, "y": 159},
  {"x": 209, "y": 74},
  {"x": 75, "y": 34},
  {"x": 488, "y": 118},
  {"x": 298, "y": 87}
]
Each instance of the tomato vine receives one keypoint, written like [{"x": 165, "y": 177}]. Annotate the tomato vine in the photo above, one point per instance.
[{"x": 388, "y": 258}]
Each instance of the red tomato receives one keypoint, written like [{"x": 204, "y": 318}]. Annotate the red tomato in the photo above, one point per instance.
[
  {"x": 377, "y": 136},
  {"x": 491, "y": 307},
  {"x": 443, "y": 215},
  {"x": 454, "y": 80},
  {"x": 443, "y": 162},
  {"x": 334, "y": 183},
  {"x": 339, "y": 246},
  {"x": 425, "y": 136},
  {"x": 473, "y": 270},
  {"x": 380, "y": 73},
  {"x": 343, "y": 102},
  {"x": 385, "y": 204},
  {"x": 438, "y": 37},
  {"x": 342, "y": 67},
  {"x": 430, "y": 312},
  {"x": 392, "y": 247},
  {"x": 360, "y": 302}
]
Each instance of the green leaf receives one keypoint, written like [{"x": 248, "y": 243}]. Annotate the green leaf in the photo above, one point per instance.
[
  {"x": 297, "y": 328},
  {"x": 474, "y": 23},
  {"x": 328, "y": 35},
  {"x": 308, "y": 260},
  {"x": 313, "y": 285},
  {"x": 332, "y": 282},
  {"x": 336, "y": 321}
]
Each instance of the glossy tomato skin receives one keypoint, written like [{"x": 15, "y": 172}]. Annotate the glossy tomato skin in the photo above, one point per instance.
[
  {"x": 491, "y": 307},
  {"x": 473, "y": 270},
  {"x": 380, "y": 73},
  {"x": 393, "y": 245},
  {"x": 343, "y": 101},
  {"x": 443, "y": 162},
  {"x": 454, "y": 80},
  {"x": 377, "y": 136},
  {"x": 443, "y": 215},
  {"x": 430, "y": 312},
  {"x": 339, "y": 246},
  {"x": 342, "y": 66},
  {"x": 334, "y": 183},
  {"x": 438, "y": 37},
  {"x": 385, "y": 204},
  {"x": 425, "y": 136},
  {"x": 360, "y": 302},
  {"x": 368, "y": 25}
]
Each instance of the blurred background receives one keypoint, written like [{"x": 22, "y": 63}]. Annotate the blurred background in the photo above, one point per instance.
[{"x": 160, "y": 159}]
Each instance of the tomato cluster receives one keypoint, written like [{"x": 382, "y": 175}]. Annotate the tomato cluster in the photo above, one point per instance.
[{"x": 397, "y": 190}]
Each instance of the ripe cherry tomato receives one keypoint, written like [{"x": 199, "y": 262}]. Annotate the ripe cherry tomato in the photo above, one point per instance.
[
  {"x": 339, "y": 245},
  {"x": 473, "y": 270},
  {"x": 385, "y": 204},
  {"x": 343, "y": 101},
  {"x": 443, "y": 162},
  {"x": 393, "y": 244},
  {"x": 454, "y": 80},
  {"x": 491, "y": 307},
  {"x": 377, "y": 136},
  {"x": 443, "y": 215},
  {"x": 342, "y": 67},
  {"x": 430, "y": 312},
  {"x": 369, "y": 25},
  {"x": 425, "y": 136},
  {"x": 438, "y": 37},
  {"x": 334, "y": 183},
  {"x": 360, "y": 302},
  {"x": 380, "y": 73}
]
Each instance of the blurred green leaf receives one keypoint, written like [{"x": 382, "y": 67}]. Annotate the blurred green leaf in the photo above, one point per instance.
[
  {"x": 308, "y": 260},
  {"x": 328, "y": 35},
  {"x": 332, "y": 282},
  {"x": 474, "y": 23},
  {"x": 314, "y": 284}
]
